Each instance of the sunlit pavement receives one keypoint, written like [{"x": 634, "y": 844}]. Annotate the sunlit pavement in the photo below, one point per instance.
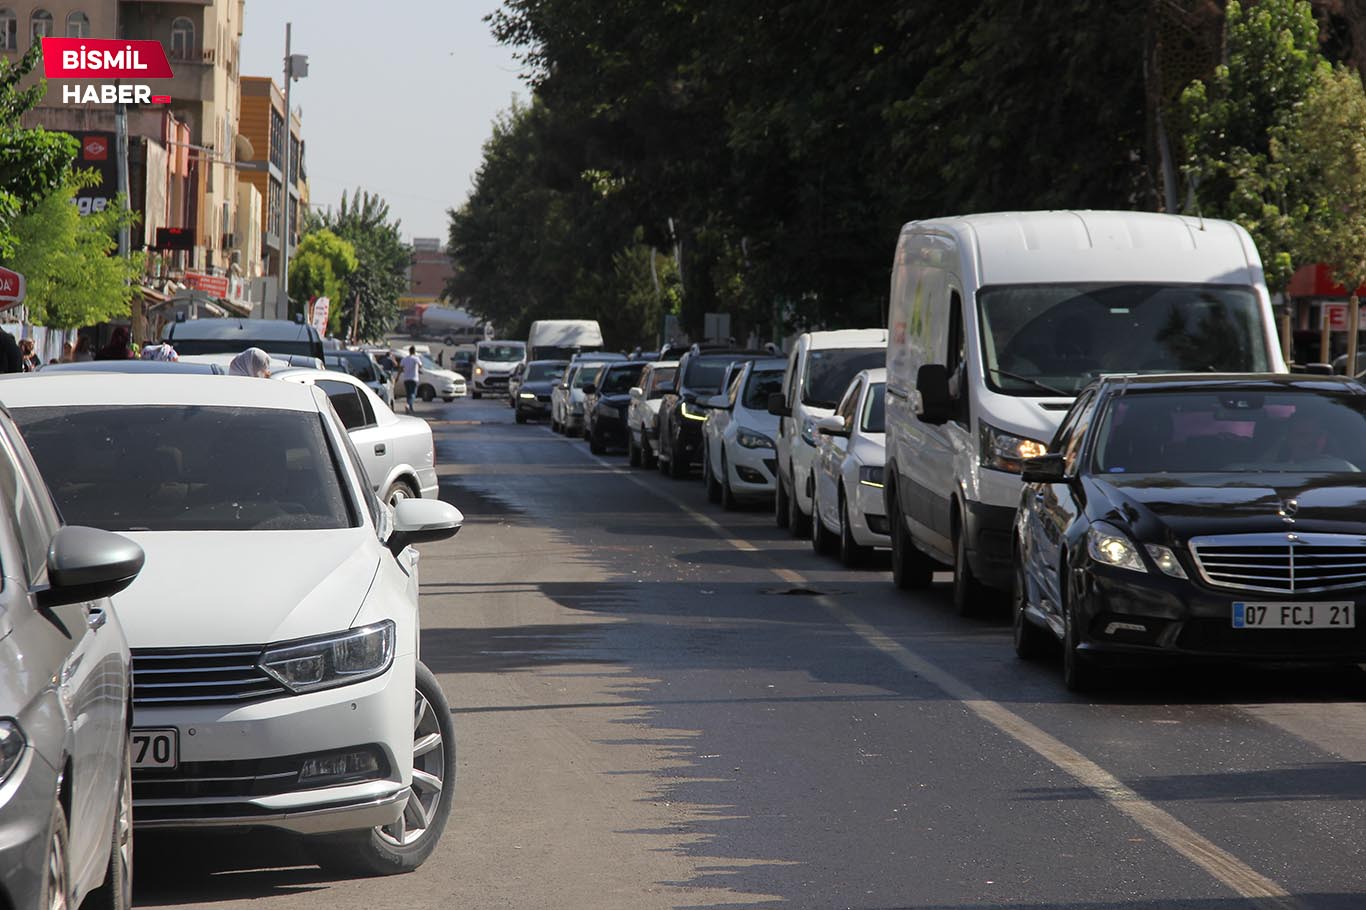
[{"x": 659, "y": 704}]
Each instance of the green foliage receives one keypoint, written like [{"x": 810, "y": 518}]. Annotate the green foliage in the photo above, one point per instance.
[
  {"x": 34, "y": 163},
  {"x": 320, "y": 268},
  {"x": 381, "y": 261},
  {"x": 66, "y": 258}
]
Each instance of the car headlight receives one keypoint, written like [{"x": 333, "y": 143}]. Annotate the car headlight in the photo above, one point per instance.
[
  {"x": 479, "y": 371},
  {"x": 1006, "y": 451},
  {"x": 529, "y": 396},
  {"x": 1165, "y": 560},
  {"x": 751, "y": 440},
  {"x": 809, "y": 432},
  {"x": 692, "y": 411},
  {"x": 332, "y": 660},
  {"x": 870, "y": 475},
  {"x": 12, "y": 744},
  {"x": 1111, "y": 547}
]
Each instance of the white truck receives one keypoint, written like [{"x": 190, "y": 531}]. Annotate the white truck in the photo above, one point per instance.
[{"x": 561, "y": 339}]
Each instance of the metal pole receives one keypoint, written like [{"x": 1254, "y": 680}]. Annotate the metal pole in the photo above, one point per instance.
[
  {"x": 1353, "y": 332},
  {"x": 284, "y": 215}
]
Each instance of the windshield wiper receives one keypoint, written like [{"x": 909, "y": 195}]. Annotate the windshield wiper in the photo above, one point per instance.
[{"x": 1034, "y": 382}]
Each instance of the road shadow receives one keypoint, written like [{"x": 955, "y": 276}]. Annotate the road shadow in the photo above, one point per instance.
[{"x": 181, "y": 869}]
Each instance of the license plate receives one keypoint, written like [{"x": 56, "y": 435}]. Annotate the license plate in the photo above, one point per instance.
[
  {"x": 156, "y": 748},
  {"x": 1340, "y": 615}
]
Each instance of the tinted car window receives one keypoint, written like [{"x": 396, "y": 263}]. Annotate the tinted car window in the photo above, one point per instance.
[
  {"x": 875, "y": 409},
  {"x": 663, "y": 377},
  {"x": 620, "y": 380},
  {"x": 188, "y": 346},
  {"x": 1300, "y": 432},
  {"x": 187, "y": 467},
  {"x": 349, "y": 404},
  {"x": 704, "y": 376},
  {"x": 587, "y": 374},
  {"x": 541, "y": 372},
  {"x": 500, "y": 353},
  {"x": 828, "y": 373}
]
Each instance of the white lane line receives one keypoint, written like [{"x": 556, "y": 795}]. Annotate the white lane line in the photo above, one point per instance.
[{"x": 1223, "y": 866}]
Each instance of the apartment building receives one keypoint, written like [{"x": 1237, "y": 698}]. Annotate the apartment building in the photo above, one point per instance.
[{"x": 263, "y": 126}]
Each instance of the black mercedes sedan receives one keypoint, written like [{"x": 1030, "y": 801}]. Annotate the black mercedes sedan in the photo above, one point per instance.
[
  {"x": 605, "y": 404},
  {"x": 532, "y": 399},
  {"x": 1197, "y": 516}
]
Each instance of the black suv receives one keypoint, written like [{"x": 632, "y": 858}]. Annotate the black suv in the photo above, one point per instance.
[{"x": 681, "y": 413}]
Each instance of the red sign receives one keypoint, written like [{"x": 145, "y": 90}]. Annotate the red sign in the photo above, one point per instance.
[
  {"x": 104, "y": 58},
  {"x": 12, "y": 288},
  {"x": 1336, "y": 316},
  {"x": 217, "y": 285},
  {"x": 94, "y": 148}
]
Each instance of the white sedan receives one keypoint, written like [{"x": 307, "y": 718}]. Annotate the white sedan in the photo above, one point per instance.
[
  {"x": 274, "y": 628},
  {"x": 397, "y": 450},
  {"x": 435, "y": 381},
  {"x": 739, "y": 460},
  {"x": 850, "y": 514},
  {"x": 642, "y": 416}
]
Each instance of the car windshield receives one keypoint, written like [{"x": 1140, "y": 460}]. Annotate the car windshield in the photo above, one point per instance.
[
  {"x": 1293, "y": 431},
  {"x": 501, "y": 353},
  {"x": 874, "y": 410},
  {"x": 187, "y": 467},
  {"x": 542, "y": 372},
  {"x": 663, "y": 377},
  {"x": 586, "y": 374},
  {"x": 620, "y": 380},
  {"x": 828, "y": 373},
  {"x": 761, "y": 384},
  {"x": 1059, "y": 337},
  {"x": 704, "y": 376},
  {"x": 428, "y": 363}
]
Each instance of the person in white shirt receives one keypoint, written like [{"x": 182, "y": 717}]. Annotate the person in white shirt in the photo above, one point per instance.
[{"x": 411, "y": 368}]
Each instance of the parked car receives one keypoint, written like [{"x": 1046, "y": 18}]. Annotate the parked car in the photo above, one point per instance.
[
  {"x": 281, "y": 694},
  {"x": 462, "y": 361},
  {"x": 819, "y": 370},
  {"x": 396, "y": 450},
  {"x": 493, "y": 364},
  {"x": 223, "y": 361},
  {"x": 363, "y": 367},
  {"x": 605, "y": 404},
  {"x": 642, "y": 417},
  {"x": 66, "y": 810},
  {"x": 848, "y": 513},
  {"x": 128, "y": 366},
  {"x": 435, "y": 381},
  {"x": 536, "y": 380},
  {"x": 998, "y": 320},
  {"x": 739, "y": 460},
  {"x": 681, "y": 412},
  {"x": 1201, "y": 516},
  {"x": 234, "y": 335},
  {"x": 566, "y": 415}
]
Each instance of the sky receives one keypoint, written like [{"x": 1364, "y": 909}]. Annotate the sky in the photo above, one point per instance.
[{"x": 399, "y": 98}]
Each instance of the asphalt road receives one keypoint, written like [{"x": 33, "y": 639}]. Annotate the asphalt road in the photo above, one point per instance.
[{"x": 661, "y": 705}]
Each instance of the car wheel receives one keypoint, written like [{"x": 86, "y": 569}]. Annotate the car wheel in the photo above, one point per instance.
[
  {"x": 117, "y": 891},
  {"x": 406, "y": 844},
  {"x": 797, "y": 522},
  {"x": 554, "y": 424},
  {"x": 1078, "y": 673},
  {"x": 632, "y": 450},
  {"x": 709, "y": 478},
  {"x": 56, "y": 875},
  {"x": 728, "y": 500},
  {"x": 647, "y": 455},
  {"x": 476, "y": 394},
  {"x": 822, "y": 542},
  {"x": 596, "y": 444},
  {"x": 519, "y": 417},
  {"x": 970, "y": 596},
  {"x": 398, "y": 491},
  {"x": 780, "y": 505},
  {"x": 911, "y": 569},
  {"x": 678, "y": 467},
  {"x": 852, "y": 553},
  {"x": 1030, "y": 640},
  {"x": 426, "y": 393}
]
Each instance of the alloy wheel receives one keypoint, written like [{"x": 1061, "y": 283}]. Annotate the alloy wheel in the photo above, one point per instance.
[
  {"x": 57, "y": 884},
  {"x": 429, "y": 770}
]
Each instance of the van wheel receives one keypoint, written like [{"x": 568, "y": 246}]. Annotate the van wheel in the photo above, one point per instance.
[
  {"x": 852, "y": 553},
  {"x": 797, "y": 523},
  {"x": 780, "y": 506},
  {"x": 970, "y": 596},
  {"x": 476, "y": 394},
  {"x": 596, "y": 444},
  {"x": 911, "y": 569}
]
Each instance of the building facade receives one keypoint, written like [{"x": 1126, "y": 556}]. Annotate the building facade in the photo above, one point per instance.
[{"x": 263, "y": 126}]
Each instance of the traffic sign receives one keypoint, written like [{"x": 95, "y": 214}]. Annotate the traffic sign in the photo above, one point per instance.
[
  {"x": 1336, "y": 316},
  {"x": 12, "y": 288}
]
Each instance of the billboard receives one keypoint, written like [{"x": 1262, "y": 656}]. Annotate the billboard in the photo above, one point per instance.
[{"x": 97, "y": 154}]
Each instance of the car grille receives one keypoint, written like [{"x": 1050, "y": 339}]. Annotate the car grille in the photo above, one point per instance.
[
  {"x": 200, "y": 676},
  {"x": 1287, "y": 563},
  {"x": 545, "y": 398}
]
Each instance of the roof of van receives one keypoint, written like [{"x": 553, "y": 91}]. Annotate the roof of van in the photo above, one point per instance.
[
  {"x": 847, "y": 338},
  {"x": 250, "y": 329},
  {"x": 1073, "y": 246}
]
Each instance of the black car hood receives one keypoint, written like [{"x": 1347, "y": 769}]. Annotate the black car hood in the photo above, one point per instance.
[
  {"x": 539, "y": 387},
  {"x": 1190, "y": 505}
]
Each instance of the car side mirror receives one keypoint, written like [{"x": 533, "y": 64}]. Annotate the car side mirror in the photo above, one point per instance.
[
  {"x": 422, "y": 521},
  {"x": 637, "y": 393},
  {"x": 590, "y": 389},
  {"x": 932, "y": 382},
  {"x": 832, "y": 426},
  {"x": 777, "y": 405},
  {"x": 717, "y": 403},
  {"x": 88, "y": 564},
  {"x": 1050, "y": 468}
]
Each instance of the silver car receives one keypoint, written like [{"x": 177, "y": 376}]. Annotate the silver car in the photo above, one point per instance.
[{"x": 66, "y": 810}]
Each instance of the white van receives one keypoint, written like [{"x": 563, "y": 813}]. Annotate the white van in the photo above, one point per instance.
[
  {"x": 818, "y": 373},
  {"x": 560, "y": 339},
  {"x": 494, "y": 362},
  {"x": 997, "y": 321}
]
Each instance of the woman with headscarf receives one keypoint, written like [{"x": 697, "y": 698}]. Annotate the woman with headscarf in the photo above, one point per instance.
[
  {"x": 118, "y": 347},
  {"x": 251, "y": 362}
]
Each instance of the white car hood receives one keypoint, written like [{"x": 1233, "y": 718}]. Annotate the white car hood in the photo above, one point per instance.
[
  {"x": 758, "y": 421},
  {"x": 445, "y": 375},
  {"x": 205, "y": 588},
  {"x": 870, "y": 449}
]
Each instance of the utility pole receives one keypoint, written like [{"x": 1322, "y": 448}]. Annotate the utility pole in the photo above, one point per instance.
[
  {"x": 296, "y": 67},
  {"x": 137, "y": 320}
]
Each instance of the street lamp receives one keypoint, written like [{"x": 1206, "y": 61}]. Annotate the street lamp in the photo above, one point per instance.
[{"x": 296, "y": 67}]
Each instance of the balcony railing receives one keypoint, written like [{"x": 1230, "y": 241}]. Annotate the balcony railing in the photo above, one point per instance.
[{"x": 205, "y": 55}]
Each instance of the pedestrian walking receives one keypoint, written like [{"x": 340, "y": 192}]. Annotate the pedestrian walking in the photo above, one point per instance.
[
  {"x": 251, "y": 362},
  {"x": 411, "y": 367}
]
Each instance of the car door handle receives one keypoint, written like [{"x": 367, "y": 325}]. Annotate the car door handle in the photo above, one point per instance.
[
  {"x": 96, "y": 619},
  {"x": 380, "y": 449}
]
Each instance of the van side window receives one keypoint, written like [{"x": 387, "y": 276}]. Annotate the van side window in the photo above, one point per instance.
[{"x": 957, "y": 359}]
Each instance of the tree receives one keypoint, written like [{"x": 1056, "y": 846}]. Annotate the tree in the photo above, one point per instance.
[
  {"x": 34, "y": 163},
  {"x": 320, "y": 268},
  {"x": 73, "y": 278},
  {"x": 380, "y": 275}
]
